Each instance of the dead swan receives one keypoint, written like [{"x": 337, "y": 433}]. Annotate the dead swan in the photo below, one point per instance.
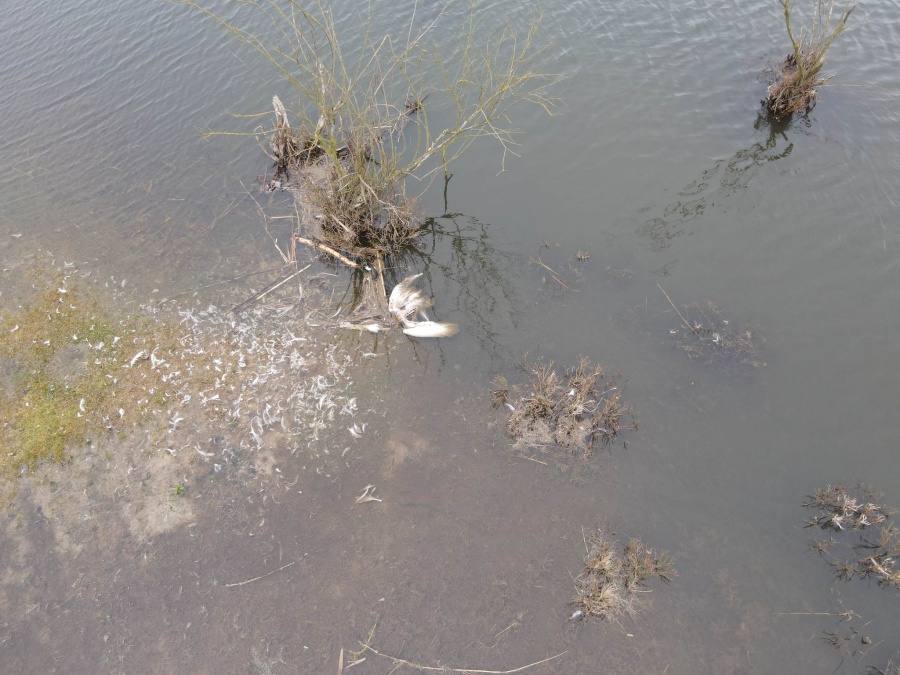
[{"x": 407, "y": 301}]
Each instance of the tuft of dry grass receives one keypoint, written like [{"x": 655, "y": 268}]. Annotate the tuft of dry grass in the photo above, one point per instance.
[
  {"x": 574, "y": 408},
  {"x": 839, "y": 509},
  {"x": 359, "y": 215},
  {"x": 794, "y": 90},
  {"x": 705, "y": 335},
  {"x": 890, "y": 668},
  {"x": 613, "y": 576},
  {"x": 874, "y": 551}
]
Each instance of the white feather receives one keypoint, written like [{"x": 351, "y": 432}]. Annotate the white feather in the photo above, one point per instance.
[
  {"x": 430, "y": 329},
  {"x": 406, "y": 301}
]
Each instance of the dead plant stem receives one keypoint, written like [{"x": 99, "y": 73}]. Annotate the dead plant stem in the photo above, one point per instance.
[
  {"x": 223, "y": 281},
  {"x": 262, "y": 576},
  {"x": 676, "y": 310},
  {"x": 327, "y": 249},
  {"x": 264, "y": 292},
  {"x": 538, "y": 261},
  {"x": 532, "y": 459},
  {"x": 444, "y": 669}
]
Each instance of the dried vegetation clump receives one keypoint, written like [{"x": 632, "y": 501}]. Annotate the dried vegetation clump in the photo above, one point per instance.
[
  {"x": 890, "y": 668},
  {"x": 573, "y": 409},
  {"x": 706, "y": 336},
  {"x": 794, "y": 89},
  {"x": 339, "y": 179},
  {"x": 874, "y": 549},
  {"x": 349, "y": 154},
  {"x": 609, "y": 585}
]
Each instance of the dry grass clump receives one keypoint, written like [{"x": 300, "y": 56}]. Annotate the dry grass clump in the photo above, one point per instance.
[
  {"x": 839, "y": 509},
  {"x": 363, "y": 218},
  {"x": 794, "y": 90},
  {"x": 349, "y": 182},
  {"x": 573, "y": 409},
  {"x": 703, "y": 334},
  {"x": 613, "y": 576},
  {"x": 875, "y": 549},
  {"x": 890, "y": 668}
]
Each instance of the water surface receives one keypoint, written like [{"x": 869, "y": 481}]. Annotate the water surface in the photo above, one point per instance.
[{"x": 661, "y": 167}]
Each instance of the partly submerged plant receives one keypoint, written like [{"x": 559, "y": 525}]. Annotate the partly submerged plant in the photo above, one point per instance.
[
  {"x": 800, "y": 74},
  {"x": 613, "y": 576},
  {"x": 874, "y": 546},
  {"x": 574, "y": 408},
  {"x": 347, "y": 155}
]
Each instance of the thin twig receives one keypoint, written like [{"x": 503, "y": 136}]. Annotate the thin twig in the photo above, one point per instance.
[
  {"x": 531, "y": 459},
  {"x": 382, "y": 290},
  {"x": 693, "y": 330},
  {"x": 224, "y": 281},
  {"x": 327, "y": 249},
  {"x": 538, "y": 261},
  {"x": 512, "y": 625},
  {"x": 844, "y": 614},
  {"x": 556, "y": 279},
  {"x": 553, "y": 272},
  {"x": 444, "y": 669},
  {"x": 267, "y": 574},
  {"x": 264, "y": 292}
]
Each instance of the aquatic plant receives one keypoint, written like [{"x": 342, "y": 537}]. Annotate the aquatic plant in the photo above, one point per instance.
[
  {"x": 705, "y": 335},
  {"x": 890, "y": 668},
  {"x": 839, "y": 509},
  {"x": 874, "y": 550},
  {"x": 574, "y": 409},
  {"x": 346, "y": 155},
  {"x": 613, "y": 576},
  {"x": 794, "y": 90}
]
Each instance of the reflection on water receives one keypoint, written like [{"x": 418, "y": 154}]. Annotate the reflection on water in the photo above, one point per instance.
[
  {"x": 467, "y": 273},
  {"x": 463, "y": 266},
  {"x": 718, "y": 183}
]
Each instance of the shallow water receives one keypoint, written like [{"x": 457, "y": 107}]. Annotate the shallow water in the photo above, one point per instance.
[{"x": 661, "y": 168}]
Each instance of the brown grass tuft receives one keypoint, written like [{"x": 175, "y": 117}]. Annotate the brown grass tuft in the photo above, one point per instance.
[
  {"x": 613, "y": 576},
  {"x": 874, "y": 547},
  {"x": 573, "y": 409},
  {"x": 794, "y": 90}
]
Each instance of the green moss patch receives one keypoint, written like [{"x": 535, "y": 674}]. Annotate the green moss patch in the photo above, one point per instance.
[{"x": 68, "y": 373}]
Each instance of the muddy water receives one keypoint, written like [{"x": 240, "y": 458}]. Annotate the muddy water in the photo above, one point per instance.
[{"x": 661, "y": 169}]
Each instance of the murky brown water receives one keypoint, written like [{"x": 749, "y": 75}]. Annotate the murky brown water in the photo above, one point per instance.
[{"x": 660, "y": 168}]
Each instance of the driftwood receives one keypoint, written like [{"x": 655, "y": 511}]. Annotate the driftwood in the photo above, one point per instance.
[{"x": 327, "y": 249}]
